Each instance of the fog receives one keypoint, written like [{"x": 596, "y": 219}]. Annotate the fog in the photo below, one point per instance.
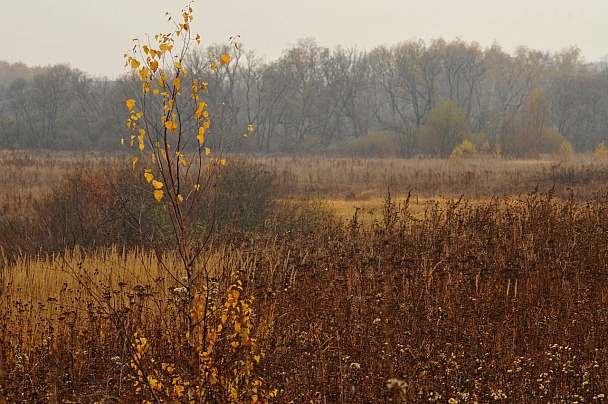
[{"x": 94, "y": 37}]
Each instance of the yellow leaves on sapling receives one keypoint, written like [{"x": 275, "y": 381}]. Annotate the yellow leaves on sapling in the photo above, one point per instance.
[
  {"x": 165, "y": 48},
  {"x": 172, "y": 126},
  {"x": 134, "y": 63},
  {"x": 148, "y": 175},
  {"x": 199, "y": 111},
  {"x": 157, "y": 184}
]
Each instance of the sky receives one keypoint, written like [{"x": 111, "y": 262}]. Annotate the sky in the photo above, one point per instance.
[{"x": 94, "y": 35}]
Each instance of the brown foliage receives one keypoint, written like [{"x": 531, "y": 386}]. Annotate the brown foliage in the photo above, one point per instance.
[{"x": 472, "y": 302}]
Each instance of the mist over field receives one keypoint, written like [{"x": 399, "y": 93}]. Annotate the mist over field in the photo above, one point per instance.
[{"x": 410, "y": 99}]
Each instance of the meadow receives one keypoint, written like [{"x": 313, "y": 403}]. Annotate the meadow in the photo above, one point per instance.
[{"x": 371, "y": 281}]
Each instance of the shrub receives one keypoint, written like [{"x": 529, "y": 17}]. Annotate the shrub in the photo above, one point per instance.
[
  {"x": 601, "y": 151},
  {"x": 248, "y": 192},
  {"x": 465, "y": 149},
  {"x": 566, "y": 152}
]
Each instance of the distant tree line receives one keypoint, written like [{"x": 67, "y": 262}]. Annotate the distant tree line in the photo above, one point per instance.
[{"x": 409, "y": 99}]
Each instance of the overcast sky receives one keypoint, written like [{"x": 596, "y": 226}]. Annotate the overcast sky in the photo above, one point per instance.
[{"x": 94, "y": 35}]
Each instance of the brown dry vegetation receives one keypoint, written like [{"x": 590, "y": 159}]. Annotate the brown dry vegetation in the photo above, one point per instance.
[{"x": 500, "y": 295}]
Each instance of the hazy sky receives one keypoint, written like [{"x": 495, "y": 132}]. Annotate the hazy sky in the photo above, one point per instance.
[{"x": 94, "y": 35}]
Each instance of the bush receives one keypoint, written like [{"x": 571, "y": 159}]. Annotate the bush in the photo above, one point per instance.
[
  {"x": 566, "y": 152},
  {"x": 247, "y": 194},
  {"x": 465, "y": 149},
  {"x": 601, "y": 151},
  {"x": 96, "y": 206}
]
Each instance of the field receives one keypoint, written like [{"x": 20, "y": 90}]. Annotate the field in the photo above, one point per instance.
[{"x": 372, "y": 281}]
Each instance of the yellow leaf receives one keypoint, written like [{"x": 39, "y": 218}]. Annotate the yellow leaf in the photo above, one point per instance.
[
  {"x": 154, "y": 65},
  {"x": 236, "y": 45},
  {"x": 143, "y": 73},
  {"x": 158, "y": 194},
  {"x": 245, "y": 135},
  {"x": 199, "y": 111},
  {"x": 172, "y": 126},
  {"x": 207, "y": 151},
  {"x": 250, "y": 128},
  {"x": 148, "y": 175},
  {"x": 157, "y": 184},
  {"x": 223, "y": 162},
  {"x": 224, "y": 60},
  {"x": 165, "y": 48},
  {"x": 130, "y": 104},
  {"x": 197, "y": 187},
  {"x": 201, "y": 135},
  {"x": 122, "y": 141},
  {"x": 234, "y": 344},
  {"x": 135, "y": 160},
  {"x": 177, "y": 83},
  {"x": 213, "y": 65},
  {"x": 180, "y": 198},
  {"x": 135, "y": 63}
]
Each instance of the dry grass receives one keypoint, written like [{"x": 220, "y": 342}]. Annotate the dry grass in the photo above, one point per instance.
[
  {"x": 26, "y": 176},
  {"x": 439, "y": 300},
  {"x": 339, "y": 178}
]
